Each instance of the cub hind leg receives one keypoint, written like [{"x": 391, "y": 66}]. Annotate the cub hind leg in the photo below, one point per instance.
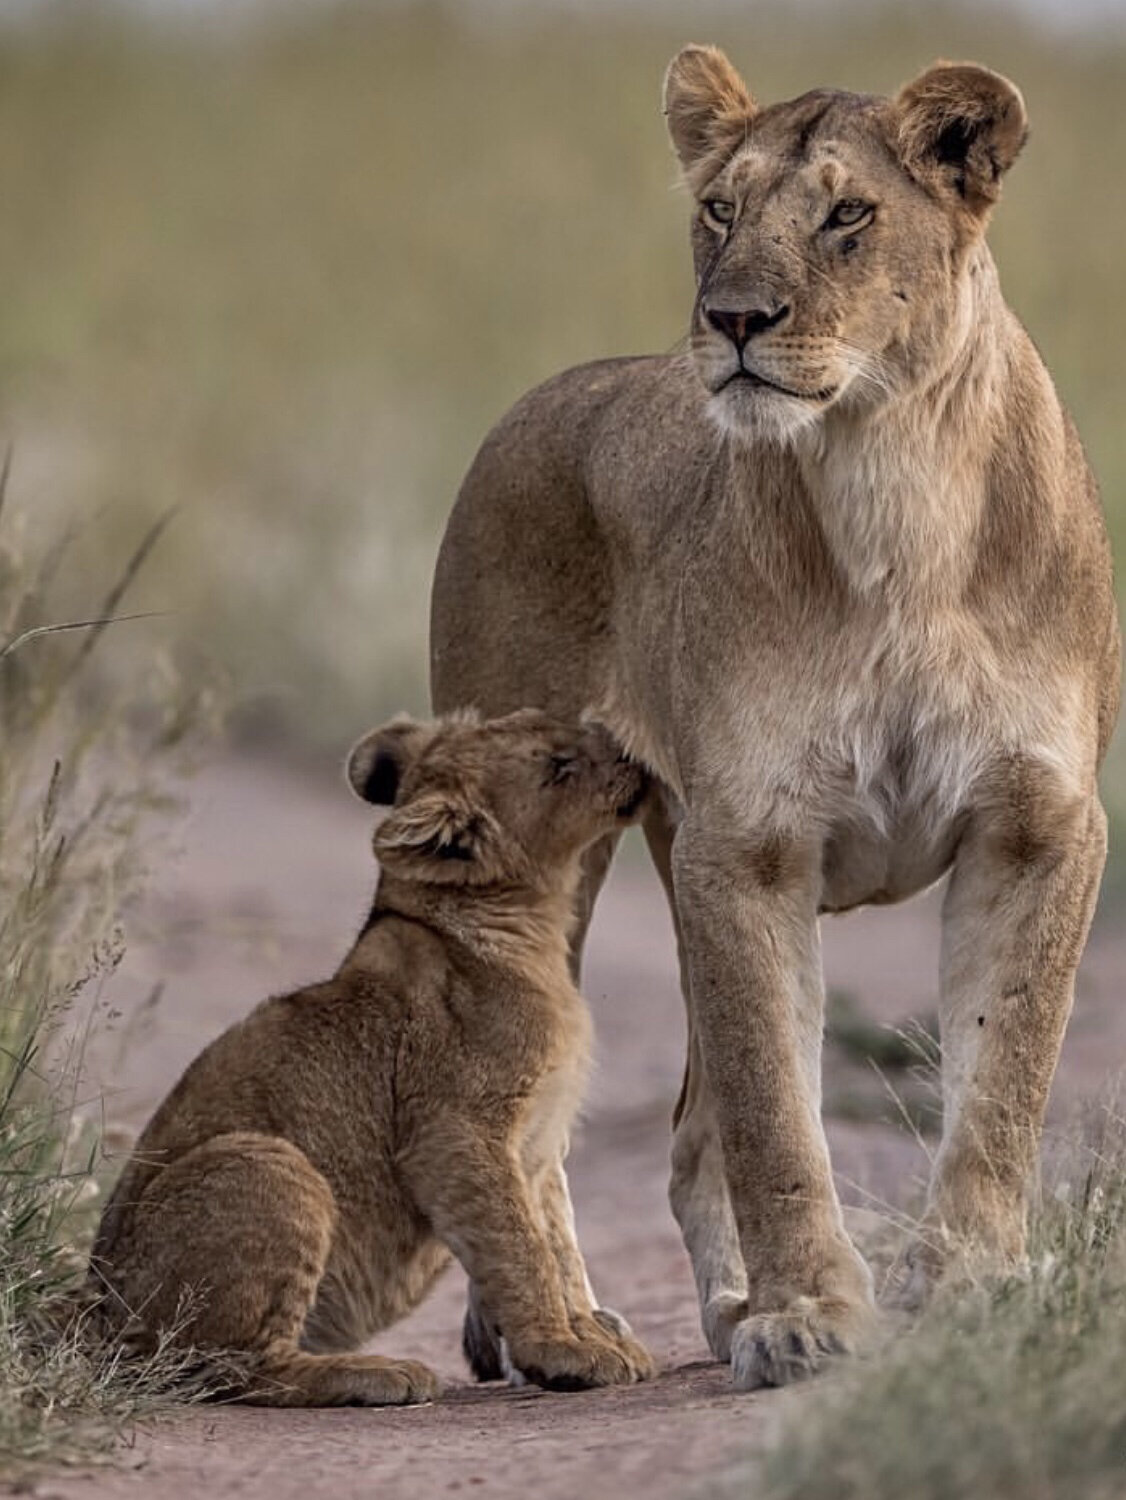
[{"x": 228, "y": 1245}]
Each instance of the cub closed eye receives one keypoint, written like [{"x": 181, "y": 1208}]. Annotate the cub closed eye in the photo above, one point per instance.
[
  {"x": 849, "y": 213},
  {"x": 720, "y": 210},
  {"x": 561, "y": 768}
]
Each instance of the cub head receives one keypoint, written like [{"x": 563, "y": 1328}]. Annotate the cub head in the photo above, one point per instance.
[
  {"x": 835, "y": 236},
  {"x": 509, "y": 801}
]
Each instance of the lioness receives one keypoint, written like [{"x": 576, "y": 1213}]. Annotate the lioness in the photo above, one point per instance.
[
  {"x": 307, "y": 1174},
  {"x": 839, "y": 577}
]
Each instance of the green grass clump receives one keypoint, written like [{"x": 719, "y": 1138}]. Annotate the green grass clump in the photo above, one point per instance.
[
  {"x": 81, "y": 778},
  {"x": 1014, "y": 1390}
]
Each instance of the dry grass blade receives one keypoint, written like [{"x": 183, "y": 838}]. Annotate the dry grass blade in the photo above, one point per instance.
[
  {"x": 100, "y": 623},
  {"x": 107, "y": 613},
  {"x": 5, "y": 476}
]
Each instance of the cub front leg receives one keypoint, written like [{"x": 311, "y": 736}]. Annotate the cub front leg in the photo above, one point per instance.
[
  {"x": 482, "y": 1342},
  {"x": 1015, "y": 921},
  {"x": 480, "y": 1203},
  {"x": 747, "y": 907},
  {"x": 587, "y": 1319}
]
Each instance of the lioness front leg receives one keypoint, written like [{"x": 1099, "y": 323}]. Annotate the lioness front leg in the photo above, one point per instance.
[
  {"x": 748, "y": 914},
  {"x": 478, "y": 1200},
  {"x": 1014, "y": 924}
]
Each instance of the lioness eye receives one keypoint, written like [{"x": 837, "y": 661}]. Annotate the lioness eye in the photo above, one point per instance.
[
  {"x": 720, "y": 209},
  {"x": 847, "y": 212}
]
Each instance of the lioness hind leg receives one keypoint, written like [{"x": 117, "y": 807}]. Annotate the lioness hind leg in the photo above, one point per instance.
[
  {"x": 698, "y": 1187},
  {"x": 226, "y": 1248},
  {"x": 701, "y": 1206}
]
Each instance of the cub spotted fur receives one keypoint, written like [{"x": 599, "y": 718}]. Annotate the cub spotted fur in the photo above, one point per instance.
[{"x": 308, "y": 1176}]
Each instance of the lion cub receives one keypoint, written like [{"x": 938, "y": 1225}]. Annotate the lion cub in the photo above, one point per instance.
[{"x": 309, "y": 1174}]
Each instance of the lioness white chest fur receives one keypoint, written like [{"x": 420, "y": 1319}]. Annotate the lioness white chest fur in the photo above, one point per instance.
[{"x": 839, "y": 576}]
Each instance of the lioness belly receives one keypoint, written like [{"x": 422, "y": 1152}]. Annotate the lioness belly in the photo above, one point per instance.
[
  {"x": 864, "y": 866},
  {"x": 891, "y": 834}
]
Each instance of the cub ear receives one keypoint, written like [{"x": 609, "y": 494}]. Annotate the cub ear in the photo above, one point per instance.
[
  {"x": 708, "y": 110},
  {"x": 436, "y": 837},
  {"x": 961, "y": 127},
  {"x": 376, "y": 763}
]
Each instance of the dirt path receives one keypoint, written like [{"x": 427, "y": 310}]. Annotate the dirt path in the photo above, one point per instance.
[{"x": 269, "y": 888}]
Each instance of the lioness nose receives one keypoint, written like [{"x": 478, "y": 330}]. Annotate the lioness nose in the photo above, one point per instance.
[{"x": 741, "y": 326}]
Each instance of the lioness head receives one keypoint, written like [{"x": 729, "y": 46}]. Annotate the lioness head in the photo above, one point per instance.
[
  {"x": 503, "y": 801},
  {"x": 834, "y": 236}
]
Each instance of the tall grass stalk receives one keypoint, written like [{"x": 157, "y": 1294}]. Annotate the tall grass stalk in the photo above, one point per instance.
[{"x": 82, "y": 787}]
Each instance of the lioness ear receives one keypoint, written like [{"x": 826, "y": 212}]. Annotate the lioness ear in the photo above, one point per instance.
[
  {"x": 376, "y": 763},
  {"x": 435, "y": 837},
  {"x": 961, "y": 128},
  {"x": 708, "y": 109}
]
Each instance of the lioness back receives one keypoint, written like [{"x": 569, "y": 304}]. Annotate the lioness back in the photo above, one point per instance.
[{"x": 526, "y": 553}]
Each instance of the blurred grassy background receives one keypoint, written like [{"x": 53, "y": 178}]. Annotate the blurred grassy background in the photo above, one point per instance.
[{"x": 287, "y": 275}]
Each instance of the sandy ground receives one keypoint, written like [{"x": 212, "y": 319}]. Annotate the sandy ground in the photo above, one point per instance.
[{"x": 267, "y": 890}]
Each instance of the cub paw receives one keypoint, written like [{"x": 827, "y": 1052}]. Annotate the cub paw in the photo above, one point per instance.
[
  {"x": 413, "y": 1382},
  {"x": 617, "y": 1332},
  {"x": 581, "y": 1363},
  {"x": 772, "y": 1349}
]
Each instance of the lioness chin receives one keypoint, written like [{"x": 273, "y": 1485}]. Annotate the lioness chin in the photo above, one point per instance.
[
  {"x": 838, "y": 575},
  {"x": 304, "y": 1182}
]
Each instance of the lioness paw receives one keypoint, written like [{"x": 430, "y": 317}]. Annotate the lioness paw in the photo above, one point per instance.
[
  {"x": 770, "y": 1349},
  {"x": 722, "y": 1314}
]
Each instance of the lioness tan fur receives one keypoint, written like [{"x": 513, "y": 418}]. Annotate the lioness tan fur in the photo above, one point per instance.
[
  {"x": 304, "y": 1182},
  {"x": 839, "y": 576}
]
